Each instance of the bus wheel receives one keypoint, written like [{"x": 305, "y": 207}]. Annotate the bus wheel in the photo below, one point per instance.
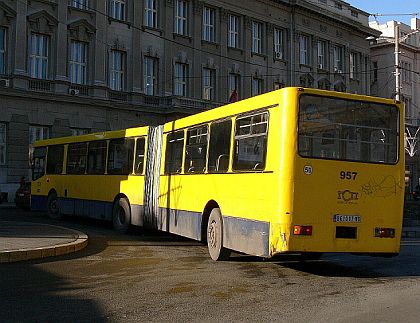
[
  {"x": 52, "y": 207},
  {"x": 121, "y": 215},
  {"x": 215, "y": 236}
]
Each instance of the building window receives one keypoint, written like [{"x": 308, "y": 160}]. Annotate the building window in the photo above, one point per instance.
[
  {"x": 78, "y": 62},
  {"x": 354, "y": 14},
  {"x": 322, "y": 54},
  {"x": 181, "y": 12},
  {"x": 233, "y": 86},
  {"x": 150, "y": 75},
  {"x": 117, "y": 9},
  {"x": 338, "y": 5},
  {"x": 38, "y": 133},
  {"x": 278, "y": 43},
  {"x": 79, "y": 131},
  {"x": 150, "y": 13},
  {"x": 233, "y": 31},
  {"x": 408, "y": 108},
  {"x": 304, "y": 49},
  {"x": 406, "y": 72},
  {"x": 375, "y": 71},
  {"x": 209, "y": 18},
  {"x": 117, "y": 63},
  {"x": 257, "y": 37},
  {"x": 257, "y": 86},
  {"x": 2, "y": 144},
  {"x": 2, "y": 51},
  {"x": 208, "y": 83},
  {"x": 180, "y": 81},
  {"x": 338, "y": 59},
  {"x": 80, "y": 4},
  {"x": 354, "y": 65},
  {"x": 38, "y": 57}
]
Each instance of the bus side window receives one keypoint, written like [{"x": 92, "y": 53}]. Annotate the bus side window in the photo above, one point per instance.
[
  {"x": 173, "y": 155},
  {"x": 139, "y": 160},
  {"x": 196, "y": 150},
  {"x": 219, "y": 146},
  {"x": 251, "y": 142},
  {"x": 38, "y": 162},
  {"x": 120, "y": 156},
  {"x": 55, "y": 159},
  {"x": 96, "y": 157},
  {"x": 76, "y": 158}
]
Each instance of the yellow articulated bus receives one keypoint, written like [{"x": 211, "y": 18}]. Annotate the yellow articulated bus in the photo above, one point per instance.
[{"x": 294, "y": 170}]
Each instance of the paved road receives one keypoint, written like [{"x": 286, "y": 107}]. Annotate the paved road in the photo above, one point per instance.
[{"x": 148, "y": 276}]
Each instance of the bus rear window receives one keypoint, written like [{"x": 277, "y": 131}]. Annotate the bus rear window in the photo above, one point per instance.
[{"x": 333, "y": 128}]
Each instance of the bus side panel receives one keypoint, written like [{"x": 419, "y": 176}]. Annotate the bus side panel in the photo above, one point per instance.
[
  {"x": 183, "y": 223},
  {"x": 38, "y": 203},
  {"x": 248, "y": 236}
]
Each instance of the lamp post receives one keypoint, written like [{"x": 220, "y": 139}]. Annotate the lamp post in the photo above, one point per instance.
[{"x": 397, "y": 62}]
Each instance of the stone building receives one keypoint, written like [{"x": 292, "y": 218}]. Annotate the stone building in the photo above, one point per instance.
[
  {"x": 384, "y": 84},
  {"x": 74, "y": 66}
]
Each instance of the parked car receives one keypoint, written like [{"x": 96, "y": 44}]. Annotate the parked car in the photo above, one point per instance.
[{"x": 23, "y": 196}]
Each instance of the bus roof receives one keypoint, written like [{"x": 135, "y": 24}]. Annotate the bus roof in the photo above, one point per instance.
[
  {"x": 262, "y": 101},
  {"x": 130, "y": 132}
]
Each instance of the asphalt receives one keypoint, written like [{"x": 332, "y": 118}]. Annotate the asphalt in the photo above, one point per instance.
[{"x": 23, "y": 240}]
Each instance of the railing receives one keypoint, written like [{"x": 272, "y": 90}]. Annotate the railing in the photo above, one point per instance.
[
  {"x": 117, "y": 95},
  {"x": 40, "y": 85}
]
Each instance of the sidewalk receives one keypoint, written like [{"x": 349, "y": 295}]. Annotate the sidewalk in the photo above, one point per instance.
[{"x": 23, "y": 240}]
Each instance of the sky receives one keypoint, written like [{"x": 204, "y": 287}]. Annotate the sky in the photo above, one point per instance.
[{"x": 389, "y": 7}]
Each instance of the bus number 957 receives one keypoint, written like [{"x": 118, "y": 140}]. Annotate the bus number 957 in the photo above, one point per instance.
[{"x": 348, "y": 175}]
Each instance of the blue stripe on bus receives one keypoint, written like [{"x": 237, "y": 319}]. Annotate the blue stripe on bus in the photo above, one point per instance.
[
  {"x": 38, "y": 203},
  {"x": 183, "y": 223},
  {"x": 88, "y": 208},
  {"x": 248, "y": 236}
]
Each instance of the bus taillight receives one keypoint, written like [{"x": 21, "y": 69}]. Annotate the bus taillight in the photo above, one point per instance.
[
  {"x": 302, "y": 230},
  {"x": 385, "y": 232}
]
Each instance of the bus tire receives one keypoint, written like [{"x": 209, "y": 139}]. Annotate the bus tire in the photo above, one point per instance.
[
  {"x": 121, "y": 215},
  {"x": 53, "y": 208},
  {"x": 215, "y": 236}
]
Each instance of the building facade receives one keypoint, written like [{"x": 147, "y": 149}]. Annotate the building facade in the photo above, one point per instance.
[
  {"x": 69, "y": 67},
  {"x": 384, "y": 83}
]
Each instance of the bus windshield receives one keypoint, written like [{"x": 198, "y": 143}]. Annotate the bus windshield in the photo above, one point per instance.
[{"x": 333, "y": 128}]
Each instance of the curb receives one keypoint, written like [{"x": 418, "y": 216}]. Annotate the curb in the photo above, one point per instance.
[{"x": 80, "y": 242}]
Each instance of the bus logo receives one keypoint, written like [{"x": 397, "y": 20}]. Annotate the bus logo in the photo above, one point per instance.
[
  {"x": 348, "y": 196},
  {"x": 307, "y": 170}
]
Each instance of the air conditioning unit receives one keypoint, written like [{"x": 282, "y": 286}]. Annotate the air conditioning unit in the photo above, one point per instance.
[
  {"x": 336, "y": 70},
  {"x": 278, "y": 55},
  {"x": 73, "y": 92},
  {"x": 4, "y": 83}
]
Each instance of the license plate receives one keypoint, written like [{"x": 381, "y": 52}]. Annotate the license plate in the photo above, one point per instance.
[{"x": 347, "y": 218}]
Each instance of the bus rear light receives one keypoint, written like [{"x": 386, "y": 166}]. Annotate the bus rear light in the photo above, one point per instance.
[
  {"x": 385, "y": 232},
  {"x": 302, "y": 230}
]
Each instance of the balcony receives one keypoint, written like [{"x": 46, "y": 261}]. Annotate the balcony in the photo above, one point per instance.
[{"x": 40, "y": 85}]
